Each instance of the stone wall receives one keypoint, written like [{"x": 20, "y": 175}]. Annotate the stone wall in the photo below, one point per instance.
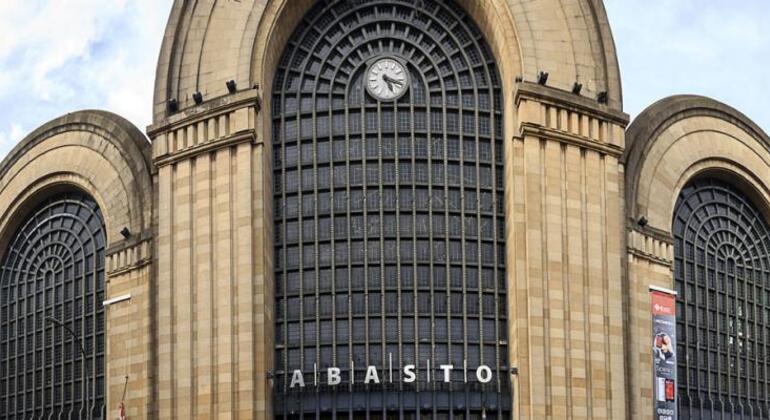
[
  {"x": 669, "y": 144},
  {"x": 193, "y": 331},
  {"x": 563, "y": 223},
  {"x": 106, "y": 157},
  {"x": 214, "y": 289}
]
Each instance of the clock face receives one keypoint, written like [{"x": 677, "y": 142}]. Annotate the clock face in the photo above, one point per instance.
[{"x": 387, "y": 79}]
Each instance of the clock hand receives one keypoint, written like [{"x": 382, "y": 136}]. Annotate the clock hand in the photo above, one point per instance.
[{"x": 389, "y": 79}]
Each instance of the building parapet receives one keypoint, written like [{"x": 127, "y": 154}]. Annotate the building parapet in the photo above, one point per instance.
[
  {"x": 570, "y": 118},
  {"x": 651, "y": 246},
  {"x": 128, "y": 256},
  {"x": 220, "y": 122}
]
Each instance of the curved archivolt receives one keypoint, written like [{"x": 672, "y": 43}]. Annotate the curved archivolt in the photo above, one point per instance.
[
  {"x": 389, "y": 220},
  {"x": 722, "y": 276},
  {"x": 53, "y": 267}
]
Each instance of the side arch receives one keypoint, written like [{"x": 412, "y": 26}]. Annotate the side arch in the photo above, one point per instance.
[
  {"x": 98, "y": 152},
  {"x": 682, "y": 136},
  {"x": 674, "y": 142},
  {"x": 721, "y": 265}
]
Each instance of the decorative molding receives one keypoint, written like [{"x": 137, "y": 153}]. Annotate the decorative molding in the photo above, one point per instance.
[
  {"x": 650, "y": 247},
  {"x": 580, "y": 141},
  {"x": 244, "y": 137},
  {"x": 568, "y": 101},
  {"x": 122, "y": 259},
  {"x": 569, "y": 118},
  {"x": 214, "y": 124},
  {"x": 214, "y": 107}
]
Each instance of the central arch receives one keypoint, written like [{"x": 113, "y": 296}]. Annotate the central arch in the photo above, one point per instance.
[
  {"x": 570, "y": 39},
  {"x": 389, "y": 224}
]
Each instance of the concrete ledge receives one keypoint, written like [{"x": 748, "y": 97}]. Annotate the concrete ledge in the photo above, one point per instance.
[{"x": 570, "y": 101}]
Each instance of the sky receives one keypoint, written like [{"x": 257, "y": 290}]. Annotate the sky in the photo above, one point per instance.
[{"x": 58, "y": 56}]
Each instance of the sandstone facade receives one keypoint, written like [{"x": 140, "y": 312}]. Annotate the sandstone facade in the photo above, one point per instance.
[{"x": 196, "y": 338}]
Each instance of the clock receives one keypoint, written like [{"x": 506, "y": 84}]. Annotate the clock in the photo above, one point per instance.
[{"x": 387, "y": 79}]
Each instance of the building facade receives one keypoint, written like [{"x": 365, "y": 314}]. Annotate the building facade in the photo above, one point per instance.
[{"x": 386, "y": 209}]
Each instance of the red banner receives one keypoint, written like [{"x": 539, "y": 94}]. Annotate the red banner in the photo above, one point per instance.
[{"x": 663, "y": 309}]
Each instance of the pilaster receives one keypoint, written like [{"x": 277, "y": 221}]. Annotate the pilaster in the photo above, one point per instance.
[
  {"x": 215, "y": 303},
  {"x": 564, "y": 228}
]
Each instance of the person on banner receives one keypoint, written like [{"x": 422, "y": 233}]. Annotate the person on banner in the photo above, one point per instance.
[{"x": 662, "y": 346}]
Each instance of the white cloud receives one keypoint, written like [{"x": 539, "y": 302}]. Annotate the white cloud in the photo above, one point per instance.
[
  {"x": 716, "y": 48},
  {"x": 58, "y": 56},
  {"x": 9, "y": 138},
  {"x": 43, "y": 38}
]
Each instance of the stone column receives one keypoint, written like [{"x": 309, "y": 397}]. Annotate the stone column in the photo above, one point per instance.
[
  {"x": 130, "y": 344},
  {"x": 214, "y": 288},
  {"x": 564, "y": 198},
  {"x": 650, "y": 262}
]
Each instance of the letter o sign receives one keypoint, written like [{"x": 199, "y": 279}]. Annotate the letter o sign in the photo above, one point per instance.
[{"x": 484, "y": 374}]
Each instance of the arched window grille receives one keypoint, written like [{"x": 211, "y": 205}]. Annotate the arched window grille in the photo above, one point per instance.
[
  {"x": 722, "y": 276},
  {"x": 53, "y": 267},
  {"x": 389, "y": 223}
]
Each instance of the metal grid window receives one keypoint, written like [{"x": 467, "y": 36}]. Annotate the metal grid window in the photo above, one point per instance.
[
  {"x": 722, "y": 276},
  {"x": 391, "y": 210},
  {"x": 53, "y": 267}
]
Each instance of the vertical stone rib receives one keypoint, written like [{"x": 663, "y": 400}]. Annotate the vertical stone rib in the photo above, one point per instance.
[
  {"x": 606, "y": 262},
  {"x": 553, "y": 229},
  {"x": 614, "y": 301},
  {"x": 544, "y": 267},
  {"x": 215, "y": 294},
  {"x": 584, "y": 314},
  {"x": 566, "y": 276},
  {"x": 182, "y": 289},
  {"x": 595, "y": 312},
  {"x": 263, "y": 291},
  {"x": 518, "y": 330},
  {"x": 203, "y": 285},
  {"x": 534, "y": 274},
  {"x": 575, "y": 297},
  {"x": 223, "y": 280},
  {"x": 193, "y": 291},
  {"x": 232, "y": 269},
  {"x": 244, "y": 280},
  {"x": 165, "y": 295}
]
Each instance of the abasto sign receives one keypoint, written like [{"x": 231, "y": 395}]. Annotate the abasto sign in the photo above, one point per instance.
[{"x": 334, "y": 376}]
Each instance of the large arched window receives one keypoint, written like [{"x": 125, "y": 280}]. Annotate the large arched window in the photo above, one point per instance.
[
  {"x": 53, "y": 271},
  {"x": 389, "y": 220},
  {"x": 722, "y": 276}
]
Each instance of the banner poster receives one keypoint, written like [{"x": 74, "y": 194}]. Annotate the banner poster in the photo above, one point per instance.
[{"x": 664, "y": 352}]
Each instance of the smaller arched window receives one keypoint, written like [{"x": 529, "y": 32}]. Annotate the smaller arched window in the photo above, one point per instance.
[
  {"x": 722, "y": 276},
  {"x": 51, "y": 291}
]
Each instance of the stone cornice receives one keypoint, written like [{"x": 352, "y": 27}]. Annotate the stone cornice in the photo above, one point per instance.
[
  {"x": 211, "y": 108},
  {"x": 650, "y": 246},
  {"x": 128, "y": 255},
  {"x": 565, "y": 117},
  {"x": 208, "y": 129},
  {"x": 569, "y": 101},
  {"x": 243, "y": 137},
  {"x": 560, "y": 136}
]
